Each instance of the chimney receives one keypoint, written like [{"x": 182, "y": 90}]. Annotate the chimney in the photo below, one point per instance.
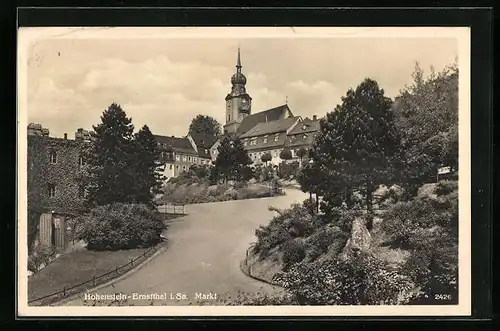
[
  {"x": 315, "y": 117},
  {"x": 65, "y": 136}
]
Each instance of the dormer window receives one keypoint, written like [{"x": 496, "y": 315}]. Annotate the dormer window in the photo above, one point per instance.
[
  {"x": 265, "y": 139},
  {"x": 304, "y": 137},
  {"x": 276, "y": 137},
  {"x": 304, "y": 127}
]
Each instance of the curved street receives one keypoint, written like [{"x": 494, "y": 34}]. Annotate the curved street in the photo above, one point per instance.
[{"x": 204, "y": 251}]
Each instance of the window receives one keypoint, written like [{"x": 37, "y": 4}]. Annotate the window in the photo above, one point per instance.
[
  {"x": 228, "y": 118},
  {"x": 206, "y": 151},
  {"x": 265, "y": 140},
  {"x": 177, "y": 167},
  {"x": 276, "y": 137},
  {"x": 178, "y": 157},
  {"x": 184, "y": 168},
  {"x": 304, "y": 126},
  {"x": 184, "y": 158},
  {"x": 189, "y": 158},
  {"x": 304, "y": 137},
  {"x": 53, "y": 157},
  {"x": 52, "y": 190},
  {"x": 81, "y": 161},
  {"x": 170, "y": 167}
]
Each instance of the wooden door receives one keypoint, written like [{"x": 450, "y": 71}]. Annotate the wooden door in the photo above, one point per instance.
[{"x": 45, "y": 230}]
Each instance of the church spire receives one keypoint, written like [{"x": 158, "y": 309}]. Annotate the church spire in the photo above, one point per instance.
[{"x": 238, "y": 62}]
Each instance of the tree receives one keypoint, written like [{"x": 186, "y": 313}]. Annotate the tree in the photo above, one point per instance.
[
  {"x": 111, "y": 164},
  {"x": 233, "y": 162},
  {"x": 426, "y": 115},
  {"x": 148, "y": 178},
  {"x": 357, "y": 148},
  {"x": 301, "y": 153},
  {"x": 286, "y": 154},
  {"x": 241, "y": 161},
  {"x": 266, "y": 157},
  {"x": 204, "y": 124}
]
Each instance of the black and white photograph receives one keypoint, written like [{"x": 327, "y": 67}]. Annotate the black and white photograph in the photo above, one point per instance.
[{"x": 244, "y": 171}]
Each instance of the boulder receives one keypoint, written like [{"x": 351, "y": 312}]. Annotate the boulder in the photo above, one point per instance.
[{"x": 359, "y": 240}]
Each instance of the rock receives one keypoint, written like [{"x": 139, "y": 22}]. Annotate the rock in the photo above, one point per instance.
[{"x": 360, "y": 239}]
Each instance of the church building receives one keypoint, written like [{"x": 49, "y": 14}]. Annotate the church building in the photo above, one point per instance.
[{"x": 268, "y": 131}]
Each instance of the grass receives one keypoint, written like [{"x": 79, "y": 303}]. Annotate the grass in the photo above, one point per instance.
[{"x": 81, "y": 266}]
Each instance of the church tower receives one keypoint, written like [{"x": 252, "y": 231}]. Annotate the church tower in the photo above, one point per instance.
[{"x": 238, "y": 101}]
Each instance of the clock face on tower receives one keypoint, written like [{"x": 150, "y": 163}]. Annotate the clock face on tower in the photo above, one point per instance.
[{"x": 244, "y": 104}]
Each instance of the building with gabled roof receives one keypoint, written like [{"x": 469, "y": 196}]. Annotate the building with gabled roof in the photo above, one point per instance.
[{"x": 268, "y": 131}]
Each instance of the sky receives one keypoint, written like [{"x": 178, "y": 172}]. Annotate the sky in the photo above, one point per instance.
[{"x": 165, "y": 82}]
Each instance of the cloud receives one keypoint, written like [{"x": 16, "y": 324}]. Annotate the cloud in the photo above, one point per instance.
[{"x": 166, "y": 84}]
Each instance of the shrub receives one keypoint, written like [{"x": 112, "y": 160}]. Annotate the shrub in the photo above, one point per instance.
[
  {"x": 293, "y": 222},
  {"x": 231, "y": 194},
  {"x": 324, "y": 239},
  {"x": 40, "y": 255},
  {"x": 293, "y": 252},
  {"x": 363, "y": 280},
  {"x": 446, "y": 187},
  {"x": 121, "y": 226}
]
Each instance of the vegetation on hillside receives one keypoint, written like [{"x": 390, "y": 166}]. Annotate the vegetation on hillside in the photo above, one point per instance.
[{"x": 374, "y": 242}]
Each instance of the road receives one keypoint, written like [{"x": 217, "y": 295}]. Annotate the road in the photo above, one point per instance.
[{"x": 204, "y": 251}]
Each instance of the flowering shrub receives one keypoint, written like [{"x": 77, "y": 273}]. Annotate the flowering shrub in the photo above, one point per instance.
[
  {"x": 121, "y": 226},
  {"x": 363, "y": 280}
]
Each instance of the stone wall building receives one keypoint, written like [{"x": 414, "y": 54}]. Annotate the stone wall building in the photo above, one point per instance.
[{"x": 56, "y": 186}]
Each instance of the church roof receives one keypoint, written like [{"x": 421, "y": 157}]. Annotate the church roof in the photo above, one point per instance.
[
  {"x": 271, "y": 127},
  {"x": 307, "y": 125},
  {"x": 269, "y": 115},
  {"x": 181, "y": 145}
]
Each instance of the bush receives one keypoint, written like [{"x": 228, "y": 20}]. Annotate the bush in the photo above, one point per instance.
[
  {"x": 121, "y": 226},
  {"x": 40, "y": 255},
  {"x": 293, "y": 252},
  {"x": 446, "y": 187},
  {"x": 290, "y": 223},
  {"x": 324, "y": 239},
  {"x": 288, "y": 170},
  {"x": 363, "y": 280}
]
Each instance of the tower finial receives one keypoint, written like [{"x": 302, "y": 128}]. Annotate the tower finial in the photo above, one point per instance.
[{"x": 238, "y": 62}]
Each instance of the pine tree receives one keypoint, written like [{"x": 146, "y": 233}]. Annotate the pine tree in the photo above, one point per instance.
[
  {"x": 111, "y": 166},
  {"x": 233, "y": 162},
  {"x": 223, "y": 163},
  {"x": 148, "y": 178},
  {"x": 356, "y": 149},
  {"x": 241, "y": 161}
]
